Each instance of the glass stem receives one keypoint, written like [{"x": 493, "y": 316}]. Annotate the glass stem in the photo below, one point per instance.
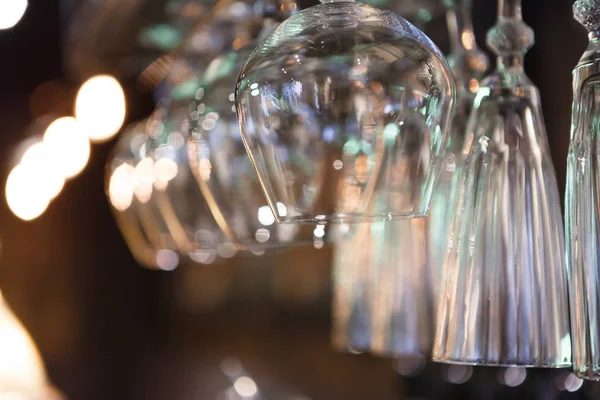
[
  {"x": 509, "y": 9},
  {"x": 460, "y": 26}
]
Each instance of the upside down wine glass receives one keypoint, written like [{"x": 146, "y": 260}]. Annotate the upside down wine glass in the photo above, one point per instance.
[
  {"x": 469, "y": 64},
  {"x": 504, "y": 299},
  {"x": 223, "y": 170},
  {"x": 341, "y": 109},
  {"x": 582, "y": 224},
  {"x": 198, "y": 232}
]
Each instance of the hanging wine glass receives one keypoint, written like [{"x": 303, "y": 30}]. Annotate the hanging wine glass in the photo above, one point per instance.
[
  {"x": 339, "y": 107},
  {"x": 504, "y": 300},
  {"x": 469, "y": 64},
  {"x": 129, "y": 187},
  {"x": 180, "y": 197},
  {"x": 581, "y": 219},
  {"x": 224, "y": 172},
  {"x": 382, "y": 290}
]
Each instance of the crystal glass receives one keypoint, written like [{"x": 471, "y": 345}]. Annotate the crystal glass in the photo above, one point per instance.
[
  {"x": 129, "y": 194},
  {"x": 582, "y": 224},
  {"x": 225, "y": 174},
  {"x": 341, "y": 109},
  {"x": 383, "y": 299},
  {"x": 469, "y": 64},
  {"x": 504, "y": 299}
]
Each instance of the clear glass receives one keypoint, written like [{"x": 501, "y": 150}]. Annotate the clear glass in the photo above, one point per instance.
[
  {"x": 504, "y": 299},
  {"x": 418, "y": 12},
  {"x": 582, "y": 223},
  {"x": 129, "y": 194},
  {"x": 182, "y": 203},
  {"x": 469, "y": 64},
  {"x": 225, "y": 174},
  {"x": 383, "y": 292},
  {"x": 342, "y": 109}
]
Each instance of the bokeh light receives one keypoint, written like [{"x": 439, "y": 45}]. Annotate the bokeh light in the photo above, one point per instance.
[
  {"x": 37, "y": 158},
  {"x": 122, "y": 186},
  {"x": 11, "y": 12},
  {"x": 144, "y": 179},
  {"x": 245, "y": 386},
  {"x": 21, "y": 366},
  {"x": 68, "y": 146},
  {"x": 100, "y": 107},
  {"x": 25, "y": 193}
]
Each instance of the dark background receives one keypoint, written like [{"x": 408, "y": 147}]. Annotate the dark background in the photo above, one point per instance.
[{"x": 109, "y": 329}]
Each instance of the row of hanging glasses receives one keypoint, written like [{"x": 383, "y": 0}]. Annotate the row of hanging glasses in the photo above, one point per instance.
[{"x": 344, "y": 123}]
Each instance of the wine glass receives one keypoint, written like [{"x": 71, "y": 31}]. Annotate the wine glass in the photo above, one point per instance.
[
  {"x": 581, "y": 219},
  {"x": 224, "y": 172},
  {"x": 504, "y": 298},
  {"x": 343, "y": 109}
]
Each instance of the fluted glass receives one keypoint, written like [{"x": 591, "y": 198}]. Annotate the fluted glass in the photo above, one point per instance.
[
  {"x": 504, "y": 299},
  {"x": 382, "y": 290},
  {"x": 582, "y": 214}
]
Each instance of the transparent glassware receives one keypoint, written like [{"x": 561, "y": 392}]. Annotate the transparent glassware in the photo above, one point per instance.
[
  {"x": 504, "y": 299},
  {"x": 129, "y": 192},
  {"x": 383, "y": 291},
  {"x": 199, "y": 234},
  {"x": 582, "y": 224},
  {"x": 180, "y": 200},
  {"x": 469, "y": 65},
  {"x": 224, "y": 172},
  {"x": 338, "y": 108},
  {"x": 418, "y": 12}
]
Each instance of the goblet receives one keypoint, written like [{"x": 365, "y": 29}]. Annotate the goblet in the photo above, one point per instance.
[
  {"x": 341, "y": 108},
  {"x": 582, "y": 225},
  {"x": 504, "y": 299},
  {"x": 225, "y": 174}
]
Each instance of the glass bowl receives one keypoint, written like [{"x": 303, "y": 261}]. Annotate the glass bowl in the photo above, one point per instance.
[{"x": 343, "y": 110}]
